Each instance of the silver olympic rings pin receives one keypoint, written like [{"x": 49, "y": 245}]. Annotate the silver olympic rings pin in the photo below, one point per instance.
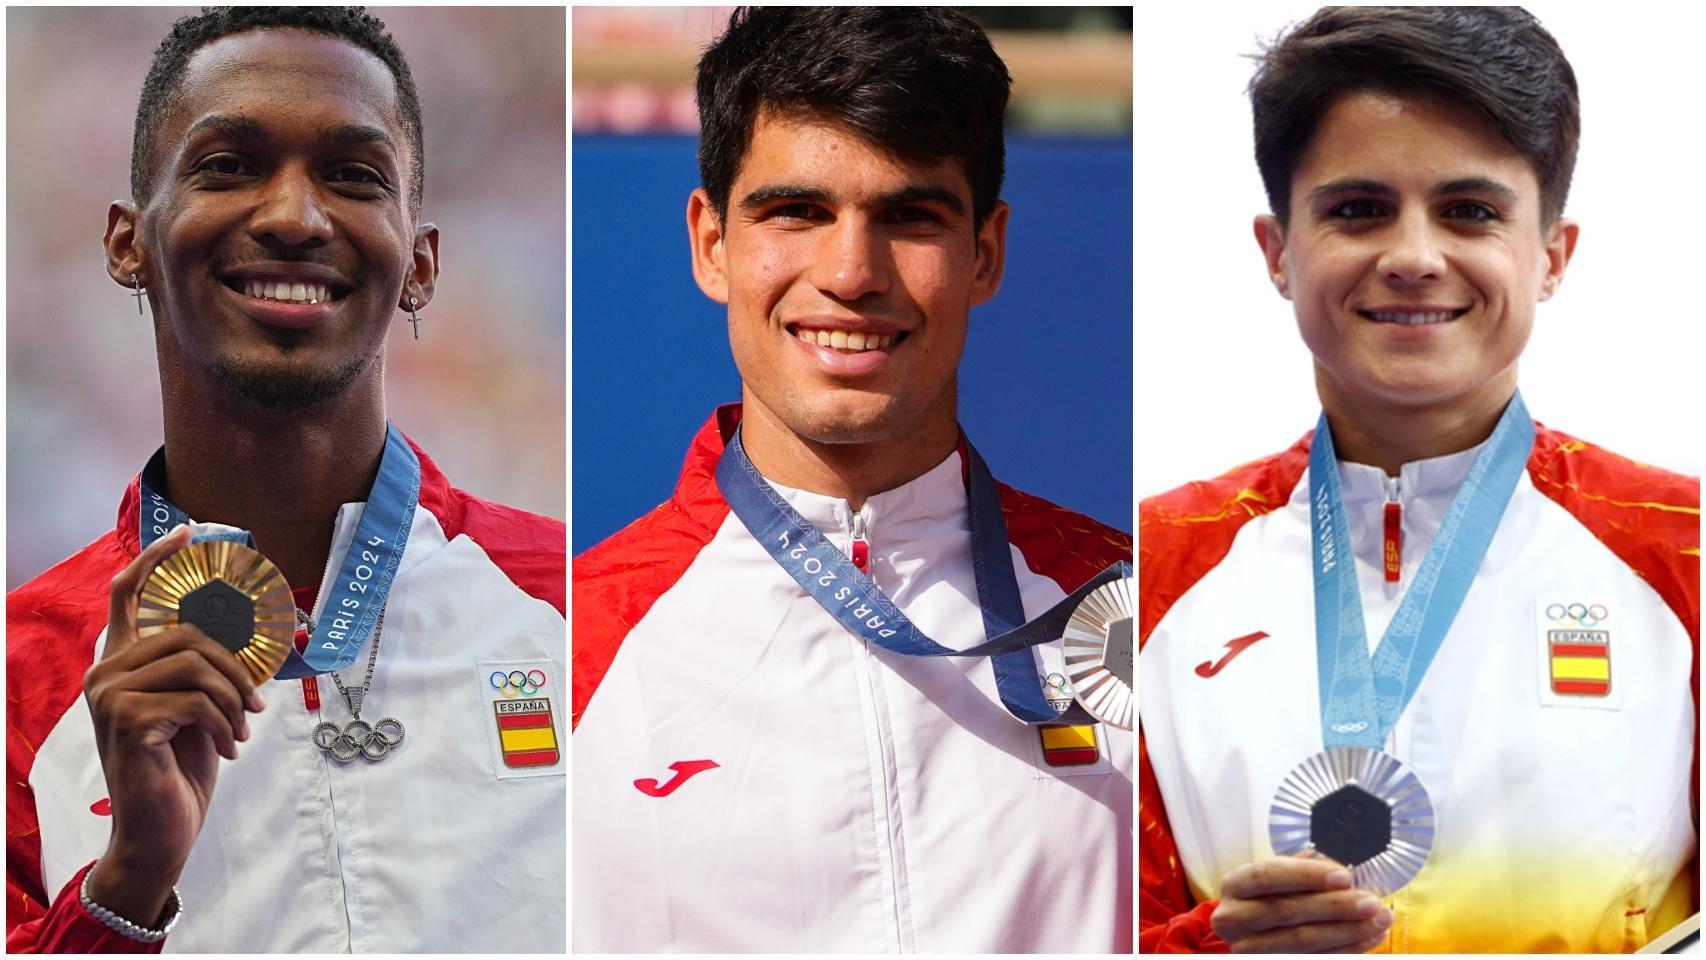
[{"x": 358, "y": 738}]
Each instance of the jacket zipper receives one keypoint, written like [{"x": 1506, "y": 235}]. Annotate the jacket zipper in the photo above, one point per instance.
[
  {"x": 859, "y": 549},
  {"x": 311, "y": 685},
  {"x": 1392, "y": 551},
  {"x": 331, "y": 794}
]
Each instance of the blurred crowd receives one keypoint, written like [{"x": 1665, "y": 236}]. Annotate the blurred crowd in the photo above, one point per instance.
[{"x": 634, "y": 66}]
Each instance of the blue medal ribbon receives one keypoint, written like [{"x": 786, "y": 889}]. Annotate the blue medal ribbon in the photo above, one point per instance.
[
  {"x": 829, "y": 576},
  {"x": 350, "y": 611},
  {"x": 1361, "y": 698}
]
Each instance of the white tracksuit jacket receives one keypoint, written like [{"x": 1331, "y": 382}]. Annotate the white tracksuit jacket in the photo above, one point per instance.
[
  {"x": 1564, "y": 806},
  {"x": 442, "y": 846},
  {"x": 857, "y": 801}
]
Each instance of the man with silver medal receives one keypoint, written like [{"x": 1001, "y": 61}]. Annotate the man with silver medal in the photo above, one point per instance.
[
  {"x": 840, "y": 626},
  {"x": 1508, "y": 768},
  {"x": 274, "y": 237}
]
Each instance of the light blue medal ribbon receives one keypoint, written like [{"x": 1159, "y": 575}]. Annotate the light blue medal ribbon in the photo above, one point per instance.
[
  {"x": 352, "y": 603},
  {"x": 829, "y": 576},
  {"x": 1361, "y": 698}
]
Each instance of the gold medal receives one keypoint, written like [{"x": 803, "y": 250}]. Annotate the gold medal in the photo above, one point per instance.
[{"x": 233, "y": 593}]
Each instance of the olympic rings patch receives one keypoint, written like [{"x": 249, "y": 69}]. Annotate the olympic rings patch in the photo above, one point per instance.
[
  {"x": 516, "y": 683},
  {"x": 1577, "y": 614}
]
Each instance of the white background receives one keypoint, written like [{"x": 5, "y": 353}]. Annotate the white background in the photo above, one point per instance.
[{"x": 1221, "y": 375}]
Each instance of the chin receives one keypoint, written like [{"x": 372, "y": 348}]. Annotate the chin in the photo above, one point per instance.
[
  {"x": 283, "y": 389},
  {"x": 865, "y": 419}
]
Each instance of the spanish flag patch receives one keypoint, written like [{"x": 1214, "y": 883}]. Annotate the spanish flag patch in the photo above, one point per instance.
[
  {"x": 526, "y": 733},
  {"x": 1069, "y": 744},
  {"x": 1581, "y": 662}
]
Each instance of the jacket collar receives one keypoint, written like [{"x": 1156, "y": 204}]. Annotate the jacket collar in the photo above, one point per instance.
[
  {"x": 939, "y": 494},
  {"x": 435, "y": 497}
]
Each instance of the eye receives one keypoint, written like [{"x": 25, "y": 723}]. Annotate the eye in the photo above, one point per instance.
[
  {"x": 914, "y": 215},
  {"x": 1355, "y": 210},
  {"x": 796, "y": 211},
  {"x": 357, "y": 176},
  {"x": 224, "y": 165},
  {"x": 1471, "y": 210}
]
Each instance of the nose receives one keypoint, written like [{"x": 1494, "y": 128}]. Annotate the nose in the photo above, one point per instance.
[
  {"x": 1414, "y": 253},
  {"x": 291, "y": 213},
  {"x": 853, "y": 260}
]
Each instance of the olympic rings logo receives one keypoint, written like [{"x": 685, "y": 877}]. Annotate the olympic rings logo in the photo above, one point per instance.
[
  {"x": 358, "y": 738},
  {"x": 1577, "y": 614},
  {"x": 517, "y": 684}
]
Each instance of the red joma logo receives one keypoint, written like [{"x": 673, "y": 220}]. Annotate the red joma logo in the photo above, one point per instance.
[
  {"x": 1233, "y": 649},
  {"x": 683, "y": 770}
]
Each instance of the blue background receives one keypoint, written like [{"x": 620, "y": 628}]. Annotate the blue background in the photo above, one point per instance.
[{"x": 1045, "y": 384}]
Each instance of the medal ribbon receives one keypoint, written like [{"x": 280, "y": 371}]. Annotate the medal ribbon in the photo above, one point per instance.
[
  {"x": 824, "y": 572},
  {"x": 1361, "y": 698},
  {"x": 357, "y": 596}
]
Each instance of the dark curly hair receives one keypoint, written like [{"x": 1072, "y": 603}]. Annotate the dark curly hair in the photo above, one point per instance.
[
  {"x": 1496, "y": 61},
  {"x": 191, "y": 33},
  {"x": 921, "y": 83}
]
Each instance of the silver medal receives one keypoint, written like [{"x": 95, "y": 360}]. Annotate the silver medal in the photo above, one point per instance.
[
  {"x": 1097, "y": 643},
  {"x": 1360, "y": 807}
]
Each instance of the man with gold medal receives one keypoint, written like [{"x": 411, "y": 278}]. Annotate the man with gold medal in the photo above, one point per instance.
[
  {"x": 396, "y": 785},
  {"x": 1428, "y": 680}
]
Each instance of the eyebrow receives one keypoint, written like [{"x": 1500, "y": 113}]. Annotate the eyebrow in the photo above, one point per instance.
[
  {"x": 1460, "y": 185},
  {"x": 352, "y": 134},
  {"x": 235, "y": 126},
  {"x": 248, "y": 128},
  {"x": 798, "y": 193},
  {"x": 785, "y": 191}
]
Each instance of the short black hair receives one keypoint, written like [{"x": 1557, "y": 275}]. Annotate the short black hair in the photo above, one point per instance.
[
  {"x": 191, "y": 33},
  {"x": 1497, "y": 61},
  {"x": 921, "y": 83}
]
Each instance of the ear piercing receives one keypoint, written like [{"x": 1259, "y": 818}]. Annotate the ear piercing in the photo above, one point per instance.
[{"x": 414, "y": 317}]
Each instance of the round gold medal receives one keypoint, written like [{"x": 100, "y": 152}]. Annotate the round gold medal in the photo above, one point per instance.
[{"x": 233, "y": 593}]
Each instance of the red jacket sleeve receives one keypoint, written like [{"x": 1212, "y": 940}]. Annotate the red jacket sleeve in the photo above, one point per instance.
[
  {"x": 1167, "y": 919},
  {"x": 1185, "y": 532},
  {"x": 51, "y": 626},
  {"x": 63, "y": 927}
]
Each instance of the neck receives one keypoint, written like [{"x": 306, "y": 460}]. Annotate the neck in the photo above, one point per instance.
[
  {"x": 848, "y": 471},
  {"x": 1390, "y": 435},
  {"x": 282, "y": 477}
]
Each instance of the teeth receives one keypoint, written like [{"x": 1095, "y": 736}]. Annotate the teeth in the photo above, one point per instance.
[
  {"x": 850, "y": 340},
  {"x": 286, "y": 292},
  {"x": 1412, "y": 319}
]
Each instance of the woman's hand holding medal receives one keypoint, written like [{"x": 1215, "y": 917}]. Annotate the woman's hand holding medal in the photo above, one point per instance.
[
  {"x": 164, "y": 712},
  {"x": 1297, "y": 905}
]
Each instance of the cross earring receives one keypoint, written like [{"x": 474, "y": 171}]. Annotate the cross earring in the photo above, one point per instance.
[
  {"x": 137, "y": 283},
  {"x": 414, "y": 317}
]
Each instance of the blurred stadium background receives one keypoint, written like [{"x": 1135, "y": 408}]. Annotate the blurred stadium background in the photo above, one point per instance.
[
  {"x": 483, "y": 390},
  {"x": 1045, "y": 386}
]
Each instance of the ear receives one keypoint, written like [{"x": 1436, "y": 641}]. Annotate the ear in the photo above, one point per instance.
[
  {"x": 705, "y": 235},
  {"x": 422, "y": 278},
  {"x": 124, "y": 256},
  {"x": 991, "y": 255},
  {"x": 1560, "y": 247},
  {"x": 1270, "y": 236}
]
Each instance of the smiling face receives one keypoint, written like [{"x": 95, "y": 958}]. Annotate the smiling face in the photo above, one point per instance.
[
  {"x": 277, "y": 236},
  {"x": 849, "y": 275},
  {"x": 1415, "y": 255}
]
